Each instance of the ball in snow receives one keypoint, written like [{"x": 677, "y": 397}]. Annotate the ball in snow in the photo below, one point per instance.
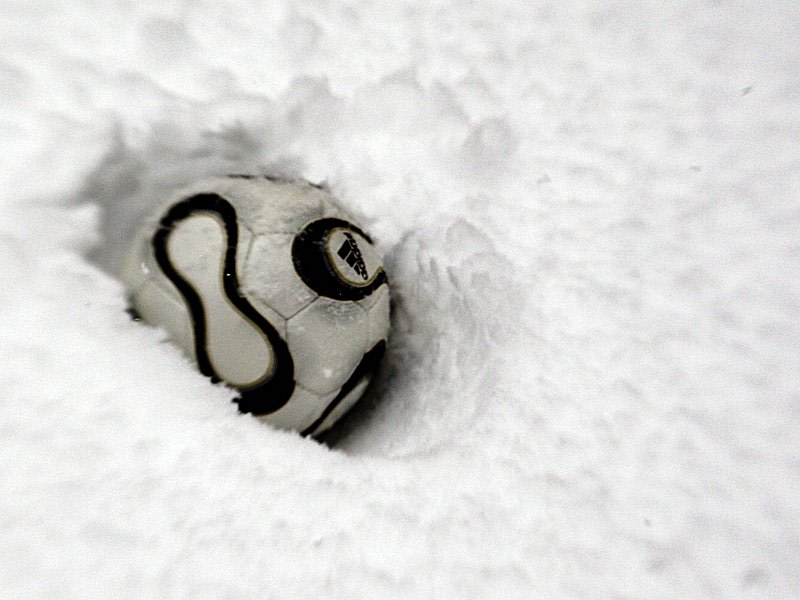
[{"x": 270, "y": 287}]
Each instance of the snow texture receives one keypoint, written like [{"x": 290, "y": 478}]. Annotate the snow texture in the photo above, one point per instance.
[{"x": 590, "y": 222}]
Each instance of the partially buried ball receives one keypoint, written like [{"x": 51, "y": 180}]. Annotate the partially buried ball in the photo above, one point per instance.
[{"x": 270, "y": 287}]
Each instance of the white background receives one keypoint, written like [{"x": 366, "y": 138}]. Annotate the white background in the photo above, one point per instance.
[{"x": 589, "y": 213}]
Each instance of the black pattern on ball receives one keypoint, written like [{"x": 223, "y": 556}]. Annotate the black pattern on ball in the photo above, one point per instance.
[
  {"x": 313, "y": 263},
  {"x": 267, "y": 396}
]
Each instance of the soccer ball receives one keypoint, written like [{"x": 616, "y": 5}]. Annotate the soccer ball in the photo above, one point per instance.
[{"x": 268, "y": 286}]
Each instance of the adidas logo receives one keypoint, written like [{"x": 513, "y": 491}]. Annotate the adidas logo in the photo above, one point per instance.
[{"x": 350, "y": 253}]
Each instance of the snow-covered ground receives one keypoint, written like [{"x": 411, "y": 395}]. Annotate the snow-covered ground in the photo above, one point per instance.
[{"x": 590, "y": 217}]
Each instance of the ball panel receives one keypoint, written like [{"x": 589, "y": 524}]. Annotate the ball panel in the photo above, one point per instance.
[
  {"x": 162, "y": 307},
  {"x": 345, "y": 405},
  {"x": 275, "y": 319},
  {"x": 302, "y": 409},
  {"x": 329, "y": 339},
  {"x": 240, "y": 353},
  {"x": 369, "y": 301},
  {"x": 351, "y": 390},
  {"x": 246, "y": 239},
  {"x": 135, "y": 266},
  {"x": 269, "y": 275},
  {"x": 333, "y": 209},
  {"x": 275, "y": 206}
]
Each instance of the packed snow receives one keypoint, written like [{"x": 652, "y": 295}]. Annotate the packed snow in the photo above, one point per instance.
[{"x": 589, "y": 215}]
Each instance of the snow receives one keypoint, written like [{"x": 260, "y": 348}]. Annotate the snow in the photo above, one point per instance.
[{"x": 590, "y": 223}]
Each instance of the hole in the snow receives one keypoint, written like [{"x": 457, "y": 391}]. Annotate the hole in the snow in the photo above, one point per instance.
[
  {"x": 436, "y": 377},
  {"x": 130, "y": 183}
]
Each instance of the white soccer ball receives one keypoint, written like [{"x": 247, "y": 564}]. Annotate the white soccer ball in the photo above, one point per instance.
[{"x": 268, "y": 286}]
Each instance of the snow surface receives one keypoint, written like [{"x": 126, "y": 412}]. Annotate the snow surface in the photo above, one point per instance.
[{"x": 590, "y": 217}]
